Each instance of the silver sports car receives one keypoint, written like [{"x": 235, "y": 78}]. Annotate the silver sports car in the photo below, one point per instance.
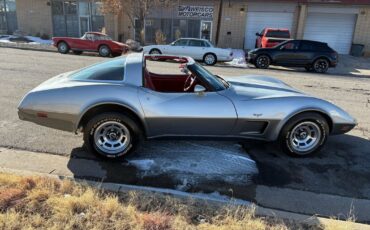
[{"x": 118, "y": 103}]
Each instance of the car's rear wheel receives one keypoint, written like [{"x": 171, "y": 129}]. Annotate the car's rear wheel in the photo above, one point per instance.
[
  {"x": 304, "y": 134},
  {"x": 104, "y": 51},
  {"x": 112, "y": 135},
  {"x": 155, "y": 52},
  {"x": 262, "y": 62},
  {"x": 77, "y": 52},
  {"x": 210, "y": 59},
  {"x": 321, "y": 65},
  {"x": 63, "y": 48}
]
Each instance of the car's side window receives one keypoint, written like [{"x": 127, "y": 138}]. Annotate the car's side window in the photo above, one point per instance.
[
  {"x": 197, "y": 43},
  {"x": 181, "y": 42},
  {"x": 306, "y": 46},
  {"x": 112, "y": 70},
  {"x": 90, "y": 37},
  {"x": 293, "y": 45}
]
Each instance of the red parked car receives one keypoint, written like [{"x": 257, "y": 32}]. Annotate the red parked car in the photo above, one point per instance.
[
  {"x": 270, "y": 37},
  {"x": 92, "y": 42}
]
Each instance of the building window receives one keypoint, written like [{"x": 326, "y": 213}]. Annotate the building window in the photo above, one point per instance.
[
  {"x": 8, "y": 16},
  {"x": 74, "y": 18}
]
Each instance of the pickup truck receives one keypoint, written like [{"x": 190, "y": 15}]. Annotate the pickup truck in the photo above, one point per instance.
[{"x": 270, "y": 37}]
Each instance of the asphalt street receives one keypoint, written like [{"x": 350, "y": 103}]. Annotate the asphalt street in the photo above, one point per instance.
[{"x": 341, "y": 168}]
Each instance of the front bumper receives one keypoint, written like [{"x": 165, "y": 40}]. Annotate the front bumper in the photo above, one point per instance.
[
  {"x": 250, "y": 58},
  {"x": 342, "y": 128}
]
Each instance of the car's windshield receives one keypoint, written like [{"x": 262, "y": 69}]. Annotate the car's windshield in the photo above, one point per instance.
[{"x": 211, "y": 79}]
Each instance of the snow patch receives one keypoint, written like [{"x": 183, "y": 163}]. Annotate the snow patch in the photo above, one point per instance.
[{"x": 239, "y": 59}]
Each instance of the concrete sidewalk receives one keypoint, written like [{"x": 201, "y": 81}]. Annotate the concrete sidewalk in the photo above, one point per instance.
[{"x": 284, "y": 201}]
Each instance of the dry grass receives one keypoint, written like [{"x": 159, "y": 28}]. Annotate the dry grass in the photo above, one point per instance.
[{"x": 44, "y": 203}]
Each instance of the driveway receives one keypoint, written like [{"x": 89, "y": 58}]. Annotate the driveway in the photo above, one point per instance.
[{"x": 341, "y": 168}]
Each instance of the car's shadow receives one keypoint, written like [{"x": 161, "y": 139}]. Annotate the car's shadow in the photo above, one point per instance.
[
  {"x": 192, "y": 166},
  {"x": 340, "y": 168}
]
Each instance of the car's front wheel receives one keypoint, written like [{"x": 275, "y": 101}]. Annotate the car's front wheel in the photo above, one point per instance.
[
  {"x": 262, "y": 62},
  {"x": 63, "y": 48},
  {"x": 104, "y": 51},
  {"x": 112, "y": 135},
  {"x": 304, "y": 134},
  {"x": 321, "y": 65},
  {"x": 210, "y": 59}
]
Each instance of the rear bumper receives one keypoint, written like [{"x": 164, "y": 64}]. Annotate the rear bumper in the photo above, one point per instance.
[{"x": 250, "y": 58}]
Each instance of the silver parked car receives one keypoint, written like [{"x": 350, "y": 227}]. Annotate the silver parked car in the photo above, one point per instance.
[
  {"x": 199, "y": 49},
  {"x": 118, "y": 103}
]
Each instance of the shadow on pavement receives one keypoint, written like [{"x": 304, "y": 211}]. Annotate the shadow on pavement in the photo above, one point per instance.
[
  {"x": 196, "y": 166},
  {"x": 341, "y": 168}
]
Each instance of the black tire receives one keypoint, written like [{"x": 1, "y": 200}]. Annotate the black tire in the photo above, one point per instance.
[
  {"x": 262, "y": 61},
  {"x": 321, "y": 65},
  {"x": 63, "y": 48},
  {"x": 156, "y": 52},
  {"x": 134, "y": 137},
  {"x": 104, "y": 51},
  {"x": 289, "y": 131},
  {"x": 77, "y": 52},
  {"x": 210, "y": 59}
]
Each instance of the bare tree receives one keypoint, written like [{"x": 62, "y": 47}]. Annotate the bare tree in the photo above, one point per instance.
[{"x": 135, "y": 10}]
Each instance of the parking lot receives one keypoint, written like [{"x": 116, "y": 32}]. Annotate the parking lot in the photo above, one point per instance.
[{"x": 342, "y": 168}]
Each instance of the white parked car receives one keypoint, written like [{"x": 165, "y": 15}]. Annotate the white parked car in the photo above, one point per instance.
[{"x": 198, "y": 49}]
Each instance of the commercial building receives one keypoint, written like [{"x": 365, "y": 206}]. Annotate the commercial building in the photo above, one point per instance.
[{"x": 228, "y": 23}]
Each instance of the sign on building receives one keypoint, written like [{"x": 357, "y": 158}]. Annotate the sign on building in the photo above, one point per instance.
[{"x": 195, "y": 11}]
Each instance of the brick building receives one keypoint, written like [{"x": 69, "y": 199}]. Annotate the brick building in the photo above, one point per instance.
[{"x": 229, "y": 23}]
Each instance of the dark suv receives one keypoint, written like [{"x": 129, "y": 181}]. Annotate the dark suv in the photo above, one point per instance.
[{"x": 312, "y": 55}]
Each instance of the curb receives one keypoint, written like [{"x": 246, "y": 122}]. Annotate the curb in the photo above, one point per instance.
[{"x": 312, "y": 221}]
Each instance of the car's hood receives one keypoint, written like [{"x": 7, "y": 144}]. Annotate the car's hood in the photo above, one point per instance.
[{"x": 261, "y": 87}]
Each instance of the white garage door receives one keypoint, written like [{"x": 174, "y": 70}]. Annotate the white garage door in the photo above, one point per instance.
[
  {"x": 256, "y": 21},
  {"x": 336, "y": 29}
]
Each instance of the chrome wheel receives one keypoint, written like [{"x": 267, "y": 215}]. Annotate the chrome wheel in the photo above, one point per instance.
[
  {"x": 104, "y": 51},
  {"x": 210, "y": 59},
  {"x": 304, "y": 137},
  {"x": 155, "y": 52},
  {"x": 112, "y": 137},
  {"x": 321, "y": 66},
  {"x": 263, "y": 62},
  {"x": 63, "y": 48}
]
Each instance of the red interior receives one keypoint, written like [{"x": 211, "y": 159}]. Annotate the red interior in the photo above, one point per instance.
[{"x": 164, "y": 82}]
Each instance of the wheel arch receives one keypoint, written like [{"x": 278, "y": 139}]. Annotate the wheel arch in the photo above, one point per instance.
[
  {"x": 321, "y": 56},
  {"x": 155, "y": 48},
  {"x": 326, "y": 116},
  {"x": 267, "y": 54},
  {"x": 104, "y": 44},
  {"x": 94, "y": 110},
  {"x": 209, "y": 53},
  {"x": 60, "y": 41}
]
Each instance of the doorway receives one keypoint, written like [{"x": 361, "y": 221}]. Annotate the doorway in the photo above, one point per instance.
[{"x": 206, "y": 30}]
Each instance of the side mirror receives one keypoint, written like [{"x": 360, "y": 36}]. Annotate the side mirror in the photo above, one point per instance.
[
  {"x": 258, "y": 35},
  {"x": 172, "y": 44},
  {"x": 199, "y": 89}
]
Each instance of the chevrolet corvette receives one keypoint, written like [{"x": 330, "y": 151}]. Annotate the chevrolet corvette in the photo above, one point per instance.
[
  {"x": 118, "y": 103},
  {"x": 91, "y": 42}
]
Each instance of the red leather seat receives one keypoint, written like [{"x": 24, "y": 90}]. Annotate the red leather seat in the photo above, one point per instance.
[{"x": 148, "y": 83}]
